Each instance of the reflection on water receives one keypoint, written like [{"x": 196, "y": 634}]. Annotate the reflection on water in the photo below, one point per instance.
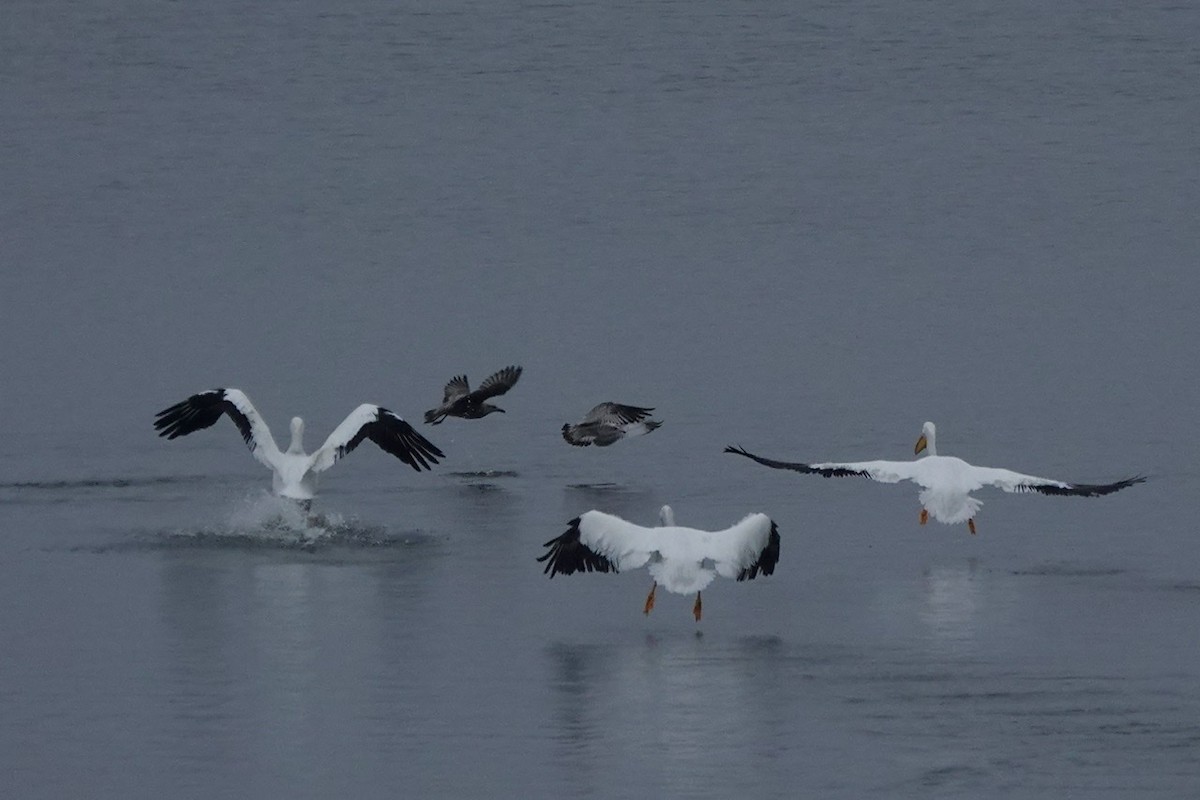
[
  {"x": 950, "y": 607},
  {"x": 579, "y": 681},
  {"x": 1070, "y": 569},
  {"x": 132, "y": 489},
  {"x": 284, "y": 620},
  {"x": 261, "y": 655},
  {"x": 701, "y": 706},
  {"x": 77, "y": 484},
  {"x": 631, "y": 502}
]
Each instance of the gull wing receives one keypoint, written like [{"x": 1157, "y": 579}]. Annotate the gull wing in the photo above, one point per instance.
[
  {"x": 389, "y": 431},
  {"x": 203, "y": 409},
  {"x": 456, "y": 387},
  {"x": 498, "y": 383},
  {"x": 616, "y": 414}
]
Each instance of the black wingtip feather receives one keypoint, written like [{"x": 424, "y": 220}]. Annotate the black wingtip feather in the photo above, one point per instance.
[
  {"x": 767, "y": 559},
  {"x": 567, "y": 555},
  {"x": 200, "y": 411},
  {"x": 566, "y": 434},
  {"x": 396, "y": 437},
  {"x": 795, "y": 466},
  {"x": 1085, "y": 489}
]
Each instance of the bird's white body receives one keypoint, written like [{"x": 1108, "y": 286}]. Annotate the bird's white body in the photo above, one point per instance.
[
  {"x": 292, "y": 471},
  {"x": 946, "y": 483}
]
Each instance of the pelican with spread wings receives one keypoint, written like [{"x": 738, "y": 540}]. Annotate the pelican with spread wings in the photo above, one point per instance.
[
  {"x": 295, "y": 471},
  {"x": 946, "y": 482},
  {"x": 681, "y": 560}
]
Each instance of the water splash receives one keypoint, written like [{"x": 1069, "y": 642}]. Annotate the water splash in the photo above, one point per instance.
[
  {"x": 270, "y": 517},
  {"x": 264, "y": 521}
]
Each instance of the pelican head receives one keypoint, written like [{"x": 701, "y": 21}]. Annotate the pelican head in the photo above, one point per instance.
[
  {"x": 666, "y": 516},
  {"x": 297, "y": 445},
  {"x": 928, "y": 439}
]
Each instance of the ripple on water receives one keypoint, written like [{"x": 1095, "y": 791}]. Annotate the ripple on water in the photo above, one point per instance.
[{"x": 1066, "y": 569}]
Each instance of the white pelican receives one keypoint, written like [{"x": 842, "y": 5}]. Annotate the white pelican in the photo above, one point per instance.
[
  {"x": 608, "y": 422},
  {"x": 946, "y": 482},
  {"x": 460, "y": 401},
  {"x": 683, "y": 560},
  {"x": 295, "y": 472}
]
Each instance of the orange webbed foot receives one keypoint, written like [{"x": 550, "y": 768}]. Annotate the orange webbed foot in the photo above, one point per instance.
[{"x": 650, "y": 599}]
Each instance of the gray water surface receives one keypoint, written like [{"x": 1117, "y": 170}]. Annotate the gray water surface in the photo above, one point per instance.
[{"x": 802, "y": 228}]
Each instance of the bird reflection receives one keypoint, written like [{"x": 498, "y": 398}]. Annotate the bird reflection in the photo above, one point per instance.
[
  {"x": 576, "y": 669},
  {"x": 655, "y": 703},
  {"x": 951, "y": 602},
  {"x": 612, "y": 498}
]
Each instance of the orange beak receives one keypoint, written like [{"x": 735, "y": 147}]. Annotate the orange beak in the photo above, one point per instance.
[{"x": 921, "y": 443}]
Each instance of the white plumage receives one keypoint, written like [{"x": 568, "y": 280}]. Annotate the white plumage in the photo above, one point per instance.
[
  {"x": 295, "y": 471},
  {"x": 683, "y": 560},
  {"x": 946, "y": 482}
]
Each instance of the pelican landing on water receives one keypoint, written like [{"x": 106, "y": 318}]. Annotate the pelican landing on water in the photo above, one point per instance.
[
  {"x": 683, "y": 560},
  {"x": 946, "y": 482},
  {"x": 295, "y": 471}
]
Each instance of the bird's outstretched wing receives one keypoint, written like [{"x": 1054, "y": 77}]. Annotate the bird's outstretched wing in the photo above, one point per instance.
[
  {"x": 1011, "y": 481},
  {"x": 202, "y": 410},
  {"x": 389, "y": 431},
  {"x": 575, "y": 436},
  {"x": 882, "y": 471},
  {"x": 498, "y": 383},
  {"x": 616, "y": 414},
  {"x": 744, "y": 550},
  {"x": 568, "y": 554},
  {"x": 456, "y": 387},
  {"x": 598, "y": 542}
]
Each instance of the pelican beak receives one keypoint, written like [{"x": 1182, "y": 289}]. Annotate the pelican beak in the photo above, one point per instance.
[{"x": 920, "y": 445}]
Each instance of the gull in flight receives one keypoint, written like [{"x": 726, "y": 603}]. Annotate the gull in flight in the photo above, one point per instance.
[
  {"x": 460, "y": 401},
  {"x": 608, "y": 423}
]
